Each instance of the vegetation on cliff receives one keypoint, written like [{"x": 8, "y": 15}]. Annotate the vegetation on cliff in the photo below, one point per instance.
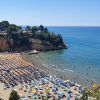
[{"x": 15, "y": 38}]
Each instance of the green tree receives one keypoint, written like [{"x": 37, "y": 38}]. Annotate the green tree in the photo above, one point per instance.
[
  {"x": 76, "y": 99},
  {"x": 14, "y": 96},
  {"x": 28, "y": 28},
  {"x": 1, "y": 99},
  {"x": 5, "y": 24},
  {"x": 97, "y": 94},
  {"x": 41, "y": 28},
  {"x": 34, "y": 29},
  {"x": 85, "y": 95},
  {"x": 46, "y": 30},
  {"x": 12, "y": 28},
  {"x": 54, "y": 98}
]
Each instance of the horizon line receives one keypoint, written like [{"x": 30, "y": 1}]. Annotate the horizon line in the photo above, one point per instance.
[{"x": 61, "y": 25}]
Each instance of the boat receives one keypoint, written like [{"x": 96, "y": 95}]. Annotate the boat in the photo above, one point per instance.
[{"x": 33, "y": 52}]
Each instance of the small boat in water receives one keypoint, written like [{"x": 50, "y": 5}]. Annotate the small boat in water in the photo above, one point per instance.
[{"x": 33, "y": 52}]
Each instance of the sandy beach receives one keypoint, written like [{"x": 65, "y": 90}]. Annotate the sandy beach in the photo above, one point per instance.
[{"x": 29, "y": 81}]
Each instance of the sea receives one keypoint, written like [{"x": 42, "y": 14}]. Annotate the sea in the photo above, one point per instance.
[{"x": 82, "y": 58}]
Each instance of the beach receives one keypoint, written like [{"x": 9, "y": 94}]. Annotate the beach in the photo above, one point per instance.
[
  {"x": 31, "y": 81},
  {"x": 15, "y": 70}
]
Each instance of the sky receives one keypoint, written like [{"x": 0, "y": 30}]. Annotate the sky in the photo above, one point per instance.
[{"x": 51, "y": 12}]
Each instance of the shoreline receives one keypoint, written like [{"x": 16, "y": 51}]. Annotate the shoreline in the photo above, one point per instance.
[
  {"x": 30, "y": 50},
  {"x": 66, "y": 74}
]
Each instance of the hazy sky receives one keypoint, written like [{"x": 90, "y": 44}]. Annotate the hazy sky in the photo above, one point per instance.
[{"x": 51, "y": 12}]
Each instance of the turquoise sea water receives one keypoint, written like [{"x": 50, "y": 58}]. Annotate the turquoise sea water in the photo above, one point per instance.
[{"x": 83, "y": 53}]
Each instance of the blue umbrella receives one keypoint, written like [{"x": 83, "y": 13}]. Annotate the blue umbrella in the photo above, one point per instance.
[{"x": 68, "y": 97}]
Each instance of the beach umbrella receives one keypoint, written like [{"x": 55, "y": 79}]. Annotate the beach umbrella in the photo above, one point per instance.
[
  {"x": 44, "y": 91},
  {"x": 36, "y": 86},
  {"x": 67, "y": 81},
  {"x": 29, "y": 95},
  {"x": 73, "y": 83},
  {"x": 25, "y": 97},
  {"x": 47, "y": 88},
  {"x": 68, "y": 97},
  {"x": 40, "y": 86},
  {"x": 78, "y": 85},
  {"x": 15, "y": 89},
  {"x": 34, "y": 97},
  {"x": 94, "y": 86},
  {"x": 33, "y": 90},
  {"x": 20, "y": 95},
  {"x": 78, "y": 95},
  {"x": 69, "y": 91}
]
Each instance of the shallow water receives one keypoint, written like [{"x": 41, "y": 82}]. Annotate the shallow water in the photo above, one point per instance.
[{"x": 82, "y": 56}]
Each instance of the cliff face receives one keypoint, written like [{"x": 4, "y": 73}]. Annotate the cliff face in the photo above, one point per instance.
[
  {"x": 36, "y": 44},
  {"x": 3, "y": 44}
]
